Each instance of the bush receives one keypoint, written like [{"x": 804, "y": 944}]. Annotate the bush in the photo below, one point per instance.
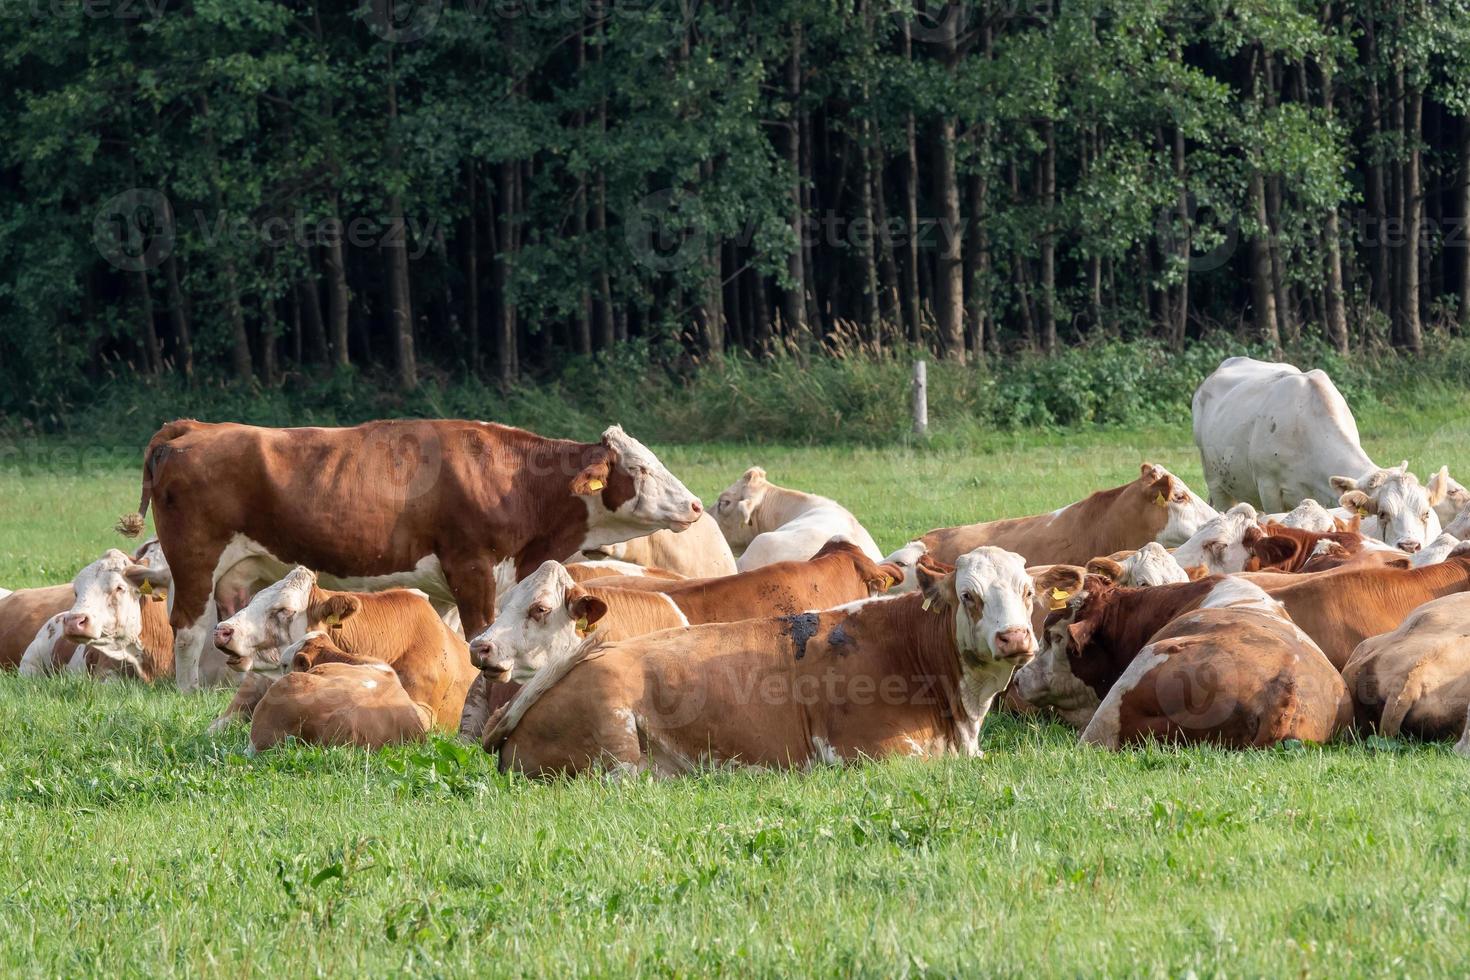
[{"x": 792, "y": 397}]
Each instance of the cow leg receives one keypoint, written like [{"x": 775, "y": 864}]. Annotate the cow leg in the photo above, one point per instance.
[
  {"x": 242, "y": 705},
  {"x": 191, "y": 632},
  {"x": 473, "y": 583},
  {"x": 476, "y": 711}
]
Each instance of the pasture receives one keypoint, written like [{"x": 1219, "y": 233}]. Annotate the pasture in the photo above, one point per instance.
[{"x": 135, "y": 844}]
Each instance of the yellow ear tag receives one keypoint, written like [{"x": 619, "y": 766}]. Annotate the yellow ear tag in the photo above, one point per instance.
[
  {"x": 1059, "y": 599},
  {"x": 595, "y": 485},
  {"x": 1159, "y": 499},
  {"x": 146, "y": 588},
  {"x": 927, "y": 603},
  {"x": 333, "y": 620},
  {"x": 1362, "y": 512},
  {"x": 887, "y": 581}
]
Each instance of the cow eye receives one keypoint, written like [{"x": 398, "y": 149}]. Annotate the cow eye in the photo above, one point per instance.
[
  {"x": 968, "y": 598},
  {"x": 538, "y": 611}
]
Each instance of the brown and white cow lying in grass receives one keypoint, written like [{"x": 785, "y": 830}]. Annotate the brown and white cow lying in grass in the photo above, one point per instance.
[
  {"x": 1155, "y": 507},
  {"x": 399, "y": 628},
  {"x": 1415, "y": 680},
  {"x": 117, "y": 613},
  {"x": 24, "y": 614},
  {"x": 911, "y": 674},
  {"x": 1226, "y": 667},
  {"x": 339, "y": 701},
  {"x": 774, "y": 523}
]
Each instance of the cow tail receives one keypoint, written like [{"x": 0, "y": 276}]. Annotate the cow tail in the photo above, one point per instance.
[
  {"x": 508, "y": 716},
  {"x": 131, "y": 525}
]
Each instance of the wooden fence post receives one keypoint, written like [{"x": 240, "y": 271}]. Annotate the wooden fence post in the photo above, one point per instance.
[{"x": 921, "y": 399}]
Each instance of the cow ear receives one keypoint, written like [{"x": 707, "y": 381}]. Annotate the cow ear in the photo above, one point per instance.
[
  {"x": 146, "y": 579},
  {"x": 938, "y": 588},
  {"x": 1107, "y": 568},
  {"x": 594, "y": 478},
  {"x": 1079, "y": 633},
  {"x": 889, "y": 575},
  {"x": 746, "y": 509},
  {"x": 1342, "y": 484},
  {"x": 1252, "y": 534},
  {"x": 1439, "y": 486},
  {"x": 1356, "y": 501},
  {"x": 332, "y": 610},
  {"x": 1058, "y": 583},
  {"x": 585, "y": 608},
  {"x": 1272, "y": 552},
  {"x": 1160, "y": 490},
  {"x": 1197, "y": 572},
  {"x": 754, "y": 475},
  {"x": 1348, "y": 525}
]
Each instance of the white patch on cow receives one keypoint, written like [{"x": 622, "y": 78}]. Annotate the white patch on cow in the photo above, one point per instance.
[
  {"x": 504, "y": 574},
  {"x": 856, "y": 604},
  {"x": 1438, "y": 550},
  {"x": 659, "y": 500},
  {"x": 1104, "y": 728},
  {"x": 369, "y": 684},
  {"x": 823, "y": 754},
  {"x": 1309, "y": 515},
  {"x": 674, "y": 608},
  {"x": 1219, "y": 545},
  {"x": 1234, "y": 592},
  {"x": 1152, "y": 565},
  {"x": 5, "y": 592},
  {"x": 36, "y": 661},
  {"x": 906, "y": 558},
  {"x": 534, "y": 626}
]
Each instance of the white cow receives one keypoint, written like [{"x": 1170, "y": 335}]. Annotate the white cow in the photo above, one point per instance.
[
  {"x": 1394, "y": 507},
  {"x": 1222, "y": 546},
  {"x": 698, "y": 551},
  {"x": 1308, "y": 516},
  {"x": 778, "y": 524}
]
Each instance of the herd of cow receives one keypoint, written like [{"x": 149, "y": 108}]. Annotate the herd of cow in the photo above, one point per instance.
[{"x": 333, "y": 576}]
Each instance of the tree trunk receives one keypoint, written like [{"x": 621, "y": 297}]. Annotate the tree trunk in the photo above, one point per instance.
[
  {"x": 505, "y": 336},
  {"x": 152, "y": 352},
  {"x": 395, "y": 249},
  {"x": 1333, "y": 302},
  {"x": 234, "y": 309},
  {"x": 1462, "y": 233},
  {"x": 178, "y": 312},
  {"x": 1047, "y": 172},
  {"x": 911, "y": 299},
  {"x": 311, "y": 316},
  {"x": 472, "y": 270},
  {"x": 793, "y": 305},
  {"x": 1411, "y": 331},
  {"x": 949, "y": 299},
  {"x": 1263, "y": 294}
]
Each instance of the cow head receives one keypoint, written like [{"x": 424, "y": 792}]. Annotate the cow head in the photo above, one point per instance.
[
  {"x": 1436, "y": 551},
  {"x": 545, "y": 616},
  {"x": 989, "y": 594},
  {"x": 1184, "y": 511},
  {"x": 107, "y": 615},
  {"x": 1049, "y": 681},
  {"x": 906, "y": 559},
  {"x": 1403, "y": 510},
  {"x": 256, "y": 637},
  {"x": 1309, "y": 516},
  {"x": 1223, "y": 544},
  {"x": 1150, "y": 565},
  {"x": 1460, "y": 526},
  {"x": 736, "y": 507},
  {"x": 629, "y": 493}
]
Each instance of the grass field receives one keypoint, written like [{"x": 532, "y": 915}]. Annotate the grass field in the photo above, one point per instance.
[{"x": 134, "y": 844}]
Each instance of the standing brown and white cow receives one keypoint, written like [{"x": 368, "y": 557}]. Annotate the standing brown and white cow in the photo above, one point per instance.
[{"x": 431, "y": 504}]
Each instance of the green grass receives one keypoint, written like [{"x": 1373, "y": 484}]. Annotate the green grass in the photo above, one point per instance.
[{"x": 136, "y": 844}]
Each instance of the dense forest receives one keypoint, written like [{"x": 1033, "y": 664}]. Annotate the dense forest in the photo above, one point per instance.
[{"x": 243, "y": 189}]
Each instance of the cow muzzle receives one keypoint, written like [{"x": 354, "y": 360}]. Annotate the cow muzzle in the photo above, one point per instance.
[
  {"x": 484, "y": 656},
  {"x": 79, "y": 627},
  {"x": 1014, "y": 643},
  {"x": 1410, "y": 547}
]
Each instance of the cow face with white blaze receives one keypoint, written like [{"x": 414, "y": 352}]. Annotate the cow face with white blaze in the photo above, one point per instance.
[
  {"x": 1223, "y": 544},
  {"x": 629, "y": 493},
  {"x": 108, "y": 614},
  {"x": 736, "y": 507},
  {"x": 1403, "y": 511},
  {"x": 990, "y": 595},
  {"x": 543, "y": 618},
  {"x": 1187, "y": 511},
  {"x": 256, "y": 637}
]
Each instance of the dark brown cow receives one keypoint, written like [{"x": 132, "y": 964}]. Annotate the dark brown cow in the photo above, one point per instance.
[
  {"x": 1289, "y": 549},
  {"x": 911, "y": 674},
  {"x": 432, "y": 504}
]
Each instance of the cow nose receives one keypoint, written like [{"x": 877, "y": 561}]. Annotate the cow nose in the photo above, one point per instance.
[
  {"x": 223, "y": 635},
  {"x": 1412, "y": 547},
  {"x": 482, "y": 652},
  {"x": 696, "y": 508},
  {"x": 78, "y": 624},
  {"x": 1013, "y": 641}
]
